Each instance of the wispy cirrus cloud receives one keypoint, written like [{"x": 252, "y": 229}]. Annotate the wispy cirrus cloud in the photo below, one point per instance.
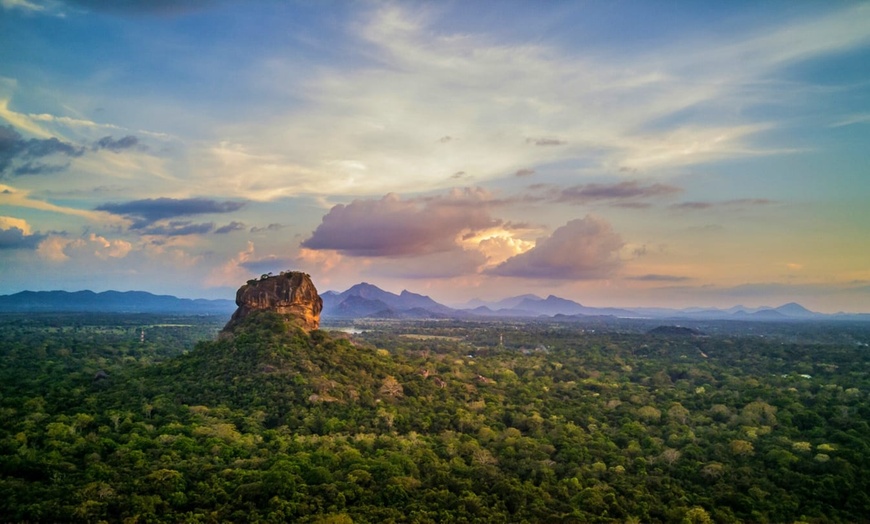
[
  {"x": 621, "y": 192},
  {"x": 606, "y": 113},
  {"x": 652, "y": 277},
  {"x": 734, "y": 203}
]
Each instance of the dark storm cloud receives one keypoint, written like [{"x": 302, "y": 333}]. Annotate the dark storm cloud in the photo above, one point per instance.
[
  {"x": 14, "y": 238},
  {"x": 116, "y": 146},
  {"x": 392, "y": 227},
  {"x": 14, "y": 148},
  {"x": 177, "y": 228},
  {"x": 582, "y": 249},
  {"x": 629, "y": 190},
  {"x": 147, "y": 211},
  {"x": 229, "y": 228}
]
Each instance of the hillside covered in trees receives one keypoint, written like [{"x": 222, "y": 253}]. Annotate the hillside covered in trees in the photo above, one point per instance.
[{"x": 427, "y": 422}]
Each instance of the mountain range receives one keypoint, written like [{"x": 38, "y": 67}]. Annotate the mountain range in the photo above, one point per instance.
[
  {"x": 366, "y": 300},
  {"x": 111, "y": 302},
  {"x": 369, "y": 301}
]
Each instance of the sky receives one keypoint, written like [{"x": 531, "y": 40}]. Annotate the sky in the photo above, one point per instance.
[{"x": 620, "y": 153}]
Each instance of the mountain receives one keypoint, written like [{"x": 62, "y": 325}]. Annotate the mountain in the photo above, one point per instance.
[
  {"x": 367, "y": 300},
  {"x": 795, "y": 310},
  {"x": 554, "y": 305},
  {"x": 506, "y": 303},
  {"x": 111, "y": 302}
]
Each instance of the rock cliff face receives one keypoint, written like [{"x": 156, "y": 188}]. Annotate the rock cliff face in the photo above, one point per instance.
[{"x": 291, "y": 294}]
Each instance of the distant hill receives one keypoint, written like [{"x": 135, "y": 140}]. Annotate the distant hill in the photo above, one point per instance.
[{"x": 111, "y": 302}]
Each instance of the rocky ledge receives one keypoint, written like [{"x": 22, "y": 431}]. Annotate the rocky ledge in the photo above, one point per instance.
[{"x": 292, "y": 294}]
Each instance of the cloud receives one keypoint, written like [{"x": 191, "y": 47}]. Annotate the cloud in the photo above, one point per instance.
[
  {"x": 659, "y": 278},
  {"x": 56, "y": 248},
  {"x": 37, "y": 168},
  {"x": 17, "y": 238},
  {"x": 735, "y": 203},
  {"x": 147, "y": 211},
  {"x": 18, "y": 197},
  {"x": 14, "y": 149},
  {"x": 145, "y": 7},
  {"x": 629, "y": 190},
  {"x": 582, "y": 249},
  {"x": 392, "y": 227},
  {"x": 116, "y": 146},
  {"x": 858, "y": 118},
  {"x": 446, "y": 264},
  {"x": 651, "y": 110},
  {"x": 546, "y": 141},
  {"x": 270, "y": 227},
  {"x": 175, "y": 228},
  {"x": 229, "y": 228},
  {"x": 524, "y": 172},
  {"x": 23, "y": 5}
]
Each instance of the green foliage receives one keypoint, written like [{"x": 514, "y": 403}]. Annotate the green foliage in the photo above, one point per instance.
[{"x": 425, "y": 422}]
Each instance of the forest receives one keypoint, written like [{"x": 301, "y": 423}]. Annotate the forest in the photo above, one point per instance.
[{"x": 149, "y": 418}]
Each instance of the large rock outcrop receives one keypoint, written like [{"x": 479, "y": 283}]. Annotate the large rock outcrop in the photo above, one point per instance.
[{"x": 291, "y": 294}]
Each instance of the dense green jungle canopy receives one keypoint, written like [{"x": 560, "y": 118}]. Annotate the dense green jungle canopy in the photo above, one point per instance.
[{"x": 426, "y": 422}]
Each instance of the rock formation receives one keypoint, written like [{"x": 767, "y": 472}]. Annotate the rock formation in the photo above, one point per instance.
[{"x": 291, "y": 294}]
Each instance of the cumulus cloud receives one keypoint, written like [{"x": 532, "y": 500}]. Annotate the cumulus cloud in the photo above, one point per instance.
[
  {"x": 392, "y": 227},
  {"x": 617, "y": 193},
  {"x": 56, "y": 248},
  {"x": 18, "y": 156},
  {"x": 582, "y": 249},
  {"x": 15, "y": 233},
  {"x": 17, "y": 238},
  {"x": 147, "y": 211}
]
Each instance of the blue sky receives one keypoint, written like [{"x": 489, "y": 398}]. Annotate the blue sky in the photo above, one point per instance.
[{"x": 614, "y": 153}]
